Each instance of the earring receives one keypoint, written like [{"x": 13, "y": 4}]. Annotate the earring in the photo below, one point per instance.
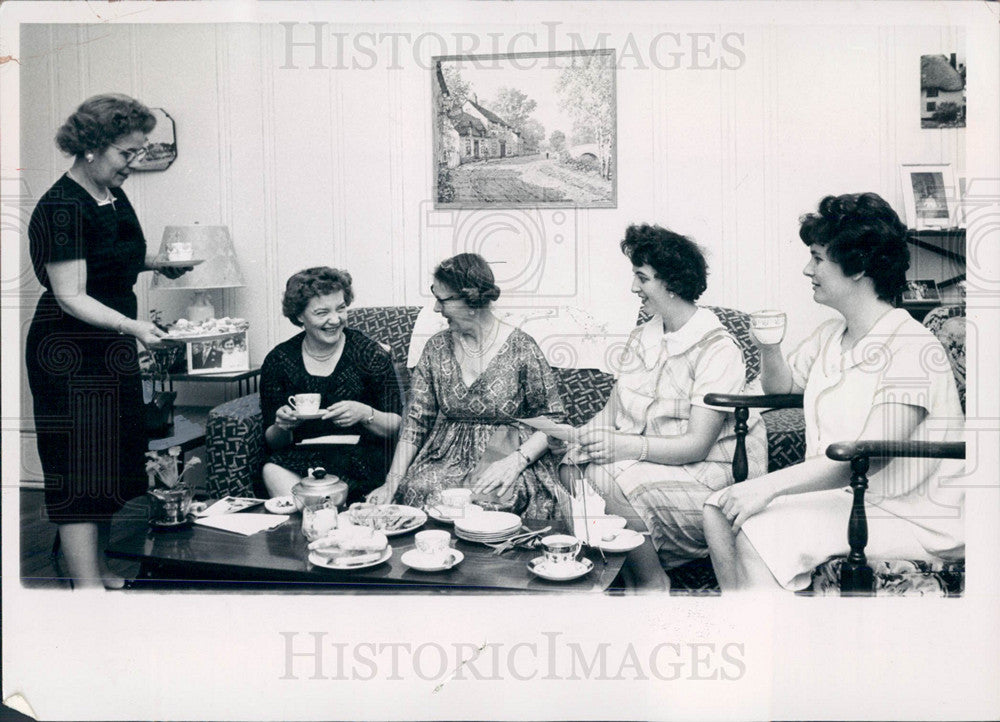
[{"x": 89, "y": 157}]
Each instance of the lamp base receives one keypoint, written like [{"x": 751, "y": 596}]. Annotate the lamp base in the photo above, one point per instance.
[{"x": 201, "y": 309}]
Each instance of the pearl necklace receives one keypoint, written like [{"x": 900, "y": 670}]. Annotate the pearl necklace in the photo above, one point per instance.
[
  {"x": 109, "y": 198},
  {"x": 319, "y": 357},
  {"x": 483, "y": 347}
]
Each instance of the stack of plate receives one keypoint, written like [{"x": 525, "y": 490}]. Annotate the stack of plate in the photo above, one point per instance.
[{"x": 488, "y": 526}]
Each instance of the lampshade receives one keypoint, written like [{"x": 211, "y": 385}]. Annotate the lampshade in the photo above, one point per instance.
[{"x": 209, "y": 243}]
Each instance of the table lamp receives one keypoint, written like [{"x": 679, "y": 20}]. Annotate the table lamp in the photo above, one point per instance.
[{"x": 214, "y": 246}]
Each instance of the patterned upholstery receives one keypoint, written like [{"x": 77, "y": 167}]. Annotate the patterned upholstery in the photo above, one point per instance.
[
  {"x": 391, "y": 326},
  {"x": 584, "y": 392},
  {"x": 234, "y": 447},
  {"x": 898, "y": 578},
  {"x": 786, "y": 437},
  {"x": 948, "y": 324}
]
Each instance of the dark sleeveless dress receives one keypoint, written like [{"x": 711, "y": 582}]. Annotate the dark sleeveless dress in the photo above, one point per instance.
[{"x": 85, "y": 382}]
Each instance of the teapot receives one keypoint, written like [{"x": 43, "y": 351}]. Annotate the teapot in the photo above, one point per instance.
[{"x": 318, "y": 496}]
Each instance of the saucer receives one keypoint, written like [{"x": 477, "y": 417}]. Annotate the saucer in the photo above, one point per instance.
[
  {"x": 178, "y": 264},
  {"x": 625, "y": 541},
  {"x": 281, "y": 505},
  {"x": 416, "y": 559},
  {"x": 310, "y": 417},
  {"x": 448, "y": 514},
  {"x": 560, "y": 572}
]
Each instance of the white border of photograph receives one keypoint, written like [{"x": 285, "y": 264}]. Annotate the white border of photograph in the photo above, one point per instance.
[
  {"x": 240, "y": 362},
  {"x": 921, "y": 219}
]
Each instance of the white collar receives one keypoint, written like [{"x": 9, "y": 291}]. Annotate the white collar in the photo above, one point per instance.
[{"x": 653, "y": 339}]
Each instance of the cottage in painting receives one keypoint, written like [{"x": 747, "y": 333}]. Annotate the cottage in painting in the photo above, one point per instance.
[{"x": 942, "y": 88}]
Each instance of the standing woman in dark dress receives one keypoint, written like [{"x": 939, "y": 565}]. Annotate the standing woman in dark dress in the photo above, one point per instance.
[
  {"x": 359, "y": 391},
  {"x": 87, "y": 250}
]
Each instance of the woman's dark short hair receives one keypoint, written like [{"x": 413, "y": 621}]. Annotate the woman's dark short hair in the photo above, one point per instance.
[
  {"x": 100, "y": 120},
  {"x": 310, "y": 283},
  {"x": 862, "y": 234},
  {"x": 678, "y": 261},
  {"x": 470, "y": 277}
]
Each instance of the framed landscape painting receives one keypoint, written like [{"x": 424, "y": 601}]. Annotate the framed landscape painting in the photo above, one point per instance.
[{"x": 525, "y": 129}]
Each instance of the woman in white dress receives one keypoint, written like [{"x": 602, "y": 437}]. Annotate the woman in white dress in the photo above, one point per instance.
[
  {"x": 657, "y": 451},
  {"x": 874, "y": 373}
]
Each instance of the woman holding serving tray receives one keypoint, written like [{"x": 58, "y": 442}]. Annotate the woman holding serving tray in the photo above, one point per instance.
[{"x": 329, "y": 380}]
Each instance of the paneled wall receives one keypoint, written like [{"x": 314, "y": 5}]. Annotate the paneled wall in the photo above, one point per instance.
[{"x": 313, "y": 166}]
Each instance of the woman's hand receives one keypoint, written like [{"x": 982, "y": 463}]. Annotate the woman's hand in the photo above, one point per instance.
[
  {"x": 379, "y": 495},
  {"x": 604, "y": 445},
  {"x": 149, "y": 334},
  {"x": 741, "y": 501},
  {"x": 499, "y": 477},
  {"x": 173, "y": 273},
  {"x": 286, "y": 419},
  {"x": 348, "y": 413}
]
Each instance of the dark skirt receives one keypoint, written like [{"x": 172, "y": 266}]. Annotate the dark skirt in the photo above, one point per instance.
[
  {"x": 87, "y": 395},
  {"x": 363, "y": 466}
]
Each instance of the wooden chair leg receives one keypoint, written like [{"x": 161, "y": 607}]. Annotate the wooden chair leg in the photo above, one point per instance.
[
  {"x": 740, "y": 466},
  {"x": 856, "y": 577}
]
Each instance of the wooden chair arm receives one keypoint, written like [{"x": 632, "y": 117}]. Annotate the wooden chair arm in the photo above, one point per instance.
[
  {"x": 746, "y": 401},
  {"x": 741, "y": 405},
  {"x": 856, "y": 577}
]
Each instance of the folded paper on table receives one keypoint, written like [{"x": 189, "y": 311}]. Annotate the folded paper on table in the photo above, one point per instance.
[
  {"x": 332, "y": 439},
  {"x": 585, "y": 506},
  {"x": 230, "y": 505},
  {"x": 245, "y": 524},
  {"x": 563, "y": 432}
]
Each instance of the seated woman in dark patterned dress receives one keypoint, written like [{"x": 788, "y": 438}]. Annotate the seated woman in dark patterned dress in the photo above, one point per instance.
[
  {"x": 472, "y": 380},
  {"x": 359, "y": 391}
]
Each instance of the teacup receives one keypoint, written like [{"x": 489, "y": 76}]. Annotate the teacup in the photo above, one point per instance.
[
  {"x": 560, "y": 548},
  {"x": 456, "y": 499},
  {"x": 768, "y": 326},
  {"x": 306, "y": 404},
  {"x": 180, "y": 251},
  {"x": 435, "y": 544}
]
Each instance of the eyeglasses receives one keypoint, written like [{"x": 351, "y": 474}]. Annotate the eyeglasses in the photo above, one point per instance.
[
  {"x": 443, "y": 300},
  {"x": 131, "y": 155}
]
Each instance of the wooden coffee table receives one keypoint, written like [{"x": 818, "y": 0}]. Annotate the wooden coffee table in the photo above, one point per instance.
[{"x": 197, "y": 556}]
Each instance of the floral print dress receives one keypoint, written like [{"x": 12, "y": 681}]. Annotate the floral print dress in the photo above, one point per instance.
[{"x": 458, "y": 426}]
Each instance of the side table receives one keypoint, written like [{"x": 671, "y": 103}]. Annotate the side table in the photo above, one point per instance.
[{"x": 246, "y": 381}]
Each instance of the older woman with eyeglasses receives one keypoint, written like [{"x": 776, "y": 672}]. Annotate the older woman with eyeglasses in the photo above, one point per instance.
[
  {"x": 472, "y": 381},
  {"x": 87, "y": 249}
]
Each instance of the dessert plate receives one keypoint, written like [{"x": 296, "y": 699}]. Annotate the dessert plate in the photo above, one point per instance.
[
  {"x": 560, "y": 572},
  {"x": 623, "y": 541},
  {"x": 448, "y": 514},
  {"x": 416, "y": 559},
  {"x": 320, "y": 560},
  {"x": 178, "y": 264},
  {"x": 280, "y": 505}
]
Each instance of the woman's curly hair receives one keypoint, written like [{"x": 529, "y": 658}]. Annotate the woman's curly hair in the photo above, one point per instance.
[
  {"x": 310, "y": 283},
  {"x": 100, "y": 120},
  {"x": 677, "y": 260},
  {"x": 862, "y": 234},
  {"x": 470, "y": 277}
]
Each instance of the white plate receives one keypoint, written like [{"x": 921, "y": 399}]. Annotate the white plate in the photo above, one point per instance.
[
  {"x": 177, "y": 264},
  {"x": 321, "y": 561},
  {"x": 415, "y": 559},
  {"x": 626, "y": 541},
  {"x": 438, "y": 513},
  {"x": 560, "y": 572},
  {"x": 489, "y": 523},
  {"x": 310, "y": 417},
  {"x": 419, "y": 518},
  {"x": 281, "y": 505}
]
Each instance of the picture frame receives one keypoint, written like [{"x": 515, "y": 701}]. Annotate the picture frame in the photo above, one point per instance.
[
  {"x": 921, "y": 291},
  {"x": 930, "y": 195},
  {"x": 217, "y": 354},
  {"x": 161, "y": 144},
  {"x": 519, "y": 130}
]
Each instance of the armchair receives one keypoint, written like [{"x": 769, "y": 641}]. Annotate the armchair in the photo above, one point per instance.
[{"x": 853, "y": 575}]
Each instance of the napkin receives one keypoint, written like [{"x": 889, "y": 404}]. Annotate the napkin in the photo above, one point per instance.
[
  {"x": 563, "y": 432},
  {"x": 332, "y": 439},
  {"x": 245, "y": 524},
  {"x": 585, "y": 506}
]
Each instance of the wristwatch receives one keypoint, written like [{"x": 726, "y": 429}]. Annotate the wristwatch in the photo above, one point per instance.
[{"x": 371, "y": 416}]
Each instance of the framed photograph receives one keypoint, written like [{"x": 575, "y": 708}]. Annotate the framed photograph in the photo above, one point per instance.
[
  {"x": 930, "y": 196},
  {"x": 525, "y": 129},
  {"x": 162, "y": 143},
  {"x": 942, "y": 91},
  {"x": 220, "y": 353},
  {"x": 922, "y": 290}
]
